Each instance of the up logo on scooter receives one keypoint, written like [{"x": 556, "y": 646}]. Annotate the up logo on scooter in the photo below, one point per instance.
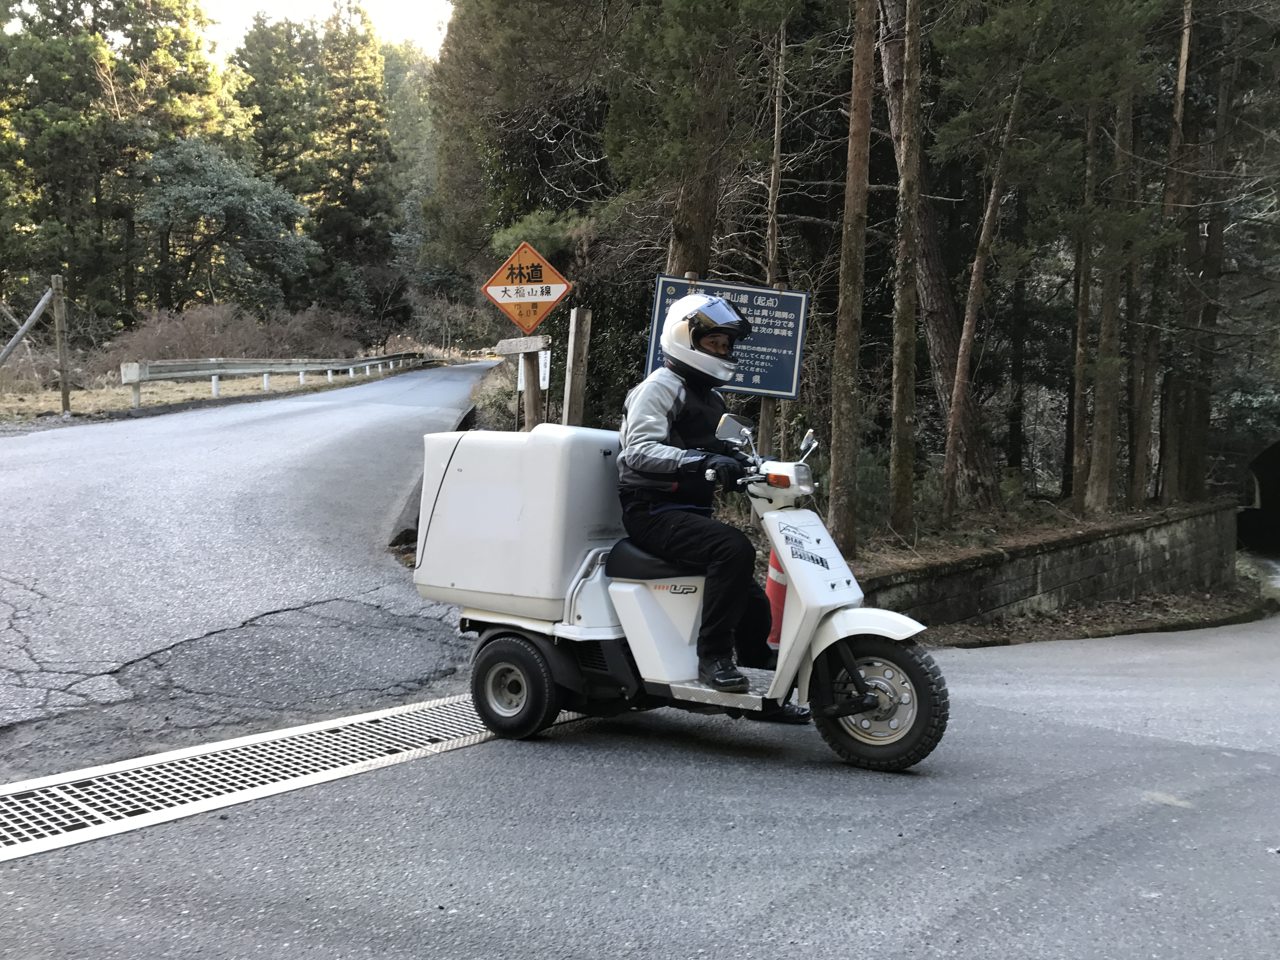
[{"x": 679, "y": 589}]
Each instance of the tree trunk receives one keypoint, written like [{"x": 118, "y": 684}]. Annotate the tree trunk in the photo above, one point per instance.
[
  {"x": 1193, "y": 424},
  {"x": 1141, "y": 367},
  {"x": 1069, "y": 438},
  {"x": 1196, "y": 454},
  {"x": 693, "y": 220},
  {"x": 842, "y": 515},
  {"x": 978, "y": 477},
  {"x": 1014, "y": 440},
  {"x": 1084, "y": 290},
  {"x": 960, "y": 390},
  {"x": 1173, "y": 402},
  {"x": 769, "y": 405},
  {"x": 1110, "y": 366},
  {"x": 902, "y": 454},
  {"x": 130, "y": 283},
  {"x": 693, "y": 225},
  {"x": 164, "y": 272}
]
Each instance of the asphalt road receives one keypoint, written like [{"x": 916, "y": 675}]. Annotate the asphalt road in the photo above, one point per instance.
[
  {"x": 182, "y": 578},
  {"x": 1092, "y": 799},
  {"x": 1095, "y": 799}
]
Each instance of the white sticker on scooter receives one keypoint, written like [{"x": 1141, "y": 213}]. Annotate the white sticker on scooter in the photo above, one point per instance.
[{"x": 808, "y": 557}]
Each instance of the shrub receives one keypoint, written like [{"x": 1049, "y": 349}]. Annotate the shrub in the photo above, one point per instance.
[{"x": 226, "y": 330}]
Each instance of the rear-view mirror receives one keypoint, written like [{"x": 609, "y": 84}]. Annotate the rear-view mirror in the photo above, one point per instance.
[{"x": 734, "y": 427}]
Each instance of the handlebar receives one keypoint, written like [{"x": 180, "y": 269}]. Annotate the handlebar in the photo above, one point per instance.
[{"x": 710, "y": 477}]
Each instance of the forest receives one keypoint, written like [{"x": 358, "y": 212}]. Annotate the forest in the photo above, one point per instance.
[{"x": 1039, "y": 236}]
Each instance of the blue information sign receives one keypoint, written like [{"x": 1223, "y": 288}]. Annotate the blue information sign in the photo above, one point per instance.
[{"x": 768, "y": 363}]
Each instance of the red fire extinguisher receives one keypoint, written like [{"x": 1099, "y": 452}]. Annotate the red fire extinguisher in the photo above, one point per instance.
[{"x": 775, "y": 588}]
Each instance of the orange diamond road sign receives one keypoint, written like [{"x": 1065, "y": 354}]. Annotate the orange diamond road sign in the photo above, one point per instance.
[{"x": 526, "y": 287}]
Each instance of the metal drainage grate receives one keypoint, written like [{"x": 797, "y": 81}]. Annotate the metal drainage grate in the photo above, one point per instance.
[{"x": 61, "y": 810}]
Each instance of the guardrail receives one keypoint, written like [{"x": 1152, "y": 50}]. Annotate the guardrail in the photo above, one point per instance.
[{"x": 146, "y": 371}]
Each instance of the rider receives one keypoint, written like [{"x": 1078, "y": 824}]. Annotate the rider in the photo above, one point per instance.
[{"x": 668, "y": 445}]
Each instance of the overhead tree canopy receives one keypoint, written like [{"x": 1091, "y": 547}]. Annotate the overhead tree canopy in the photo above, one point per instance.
[{"x": 1096, "y": 247}]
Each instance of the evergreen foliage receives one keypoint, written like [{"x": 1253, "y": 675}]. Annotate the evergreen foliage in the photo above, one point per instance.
[{"x": 630, "y": 137}]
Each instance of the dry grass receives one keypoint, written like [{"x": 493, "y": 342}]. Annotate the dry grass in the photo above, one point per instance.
[
  {"x": 114, "y": 399},
  {"x": 29, "y": 381}
]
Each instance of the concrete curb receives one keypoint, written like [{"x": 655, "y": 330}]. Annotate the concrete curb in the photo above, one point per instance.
[{"x": 1265, "y": 608}]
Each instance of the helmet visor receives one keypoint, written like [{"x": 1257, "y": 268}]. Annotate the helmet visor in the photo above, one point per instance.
[{"x": 719, "y": 317}]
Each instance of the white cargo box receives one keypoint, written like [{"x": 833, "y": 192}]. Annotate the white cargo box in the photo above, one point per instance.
[{"x": 507, "y": 519}]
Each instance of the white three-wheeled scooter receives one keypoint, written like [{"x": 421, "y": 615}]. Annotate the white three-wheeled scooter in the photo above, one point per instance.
[{"x": 524, "y": 532}]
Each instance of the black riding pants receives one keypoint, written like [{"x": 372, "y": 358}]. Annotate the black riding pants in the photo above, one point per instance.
[{"x": 735, "y": 611}]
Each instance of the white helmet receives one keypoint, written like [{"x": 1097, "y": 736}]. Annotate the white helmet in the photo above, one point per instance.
[{"x": 691, "y": 318}]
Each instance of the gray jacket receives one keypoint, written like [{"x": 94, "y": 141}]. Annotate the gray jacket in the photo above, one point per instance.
[{"x": 668, "y": 427}]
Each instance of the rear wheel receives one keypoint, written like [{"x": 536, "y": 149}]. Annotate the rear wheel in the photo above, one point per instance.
[
  {"x": 913, "y": 703},
  {"x": 512, "y": 689}
]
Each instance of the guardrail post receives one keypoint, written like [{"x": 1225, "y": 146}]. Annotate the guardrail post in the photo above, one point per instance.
[
  {"x": 266, "y": 383},
  {"x": 351, "y": 372},
  {"x": 137, "y": 395},
  {"x": 330, "y": 375},
  {"x": 214, "y": 384},
  {"x": 302, "y": 377}
]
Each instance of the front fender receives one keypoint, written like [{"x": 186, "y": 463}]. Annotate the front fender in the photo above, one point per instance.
[{"x": 852, "y": 622}]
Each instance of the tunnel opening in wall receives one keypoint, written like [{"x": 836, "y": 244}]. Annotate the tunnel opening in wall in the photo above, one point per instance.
[{"x": 1258, "y": 524}]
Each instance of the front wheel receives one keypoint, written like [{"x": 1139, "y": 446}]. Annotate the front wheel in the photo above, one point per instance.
[
  {"x": 512, "y": 689},
  {"x": 913, "y": 703}
]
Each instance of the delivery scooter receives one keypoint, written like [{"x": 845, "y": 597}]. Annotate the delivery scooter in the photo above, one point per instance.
[{"x": 523, "y": 531}]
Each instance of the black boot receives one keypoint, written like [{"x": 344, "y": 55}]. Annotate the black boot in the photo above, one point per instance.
[
  {"x": 781, "y": 713},
  {"x": 719, "y": 673}
]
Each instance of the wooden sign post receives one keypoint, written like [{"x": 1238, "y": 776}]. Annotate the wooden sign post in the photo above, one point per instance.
[
  {"x": 526, "y": 348},
  {"x": 526, "y": 288},
  {"x": 60, "y": 336},
  {"x": 575, "y": 375}
]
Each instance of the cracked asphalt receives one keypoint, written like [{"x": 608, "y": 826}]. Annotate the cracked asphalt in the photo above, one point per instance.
[{"x": 174, "y": 579}]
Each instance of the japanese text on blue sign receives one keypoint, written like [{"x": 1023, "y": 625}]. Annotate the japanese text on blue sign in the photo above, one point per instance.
[{"x": 769, "y": 362}]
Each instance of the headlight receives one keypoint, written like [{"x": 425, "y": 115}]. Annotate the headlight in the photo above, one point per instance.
[{"x": 804, "y": 478}]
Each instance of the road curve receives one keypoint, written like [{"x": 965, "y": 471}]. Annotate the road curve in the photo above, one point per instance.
[{"x": 213, "y": 568}]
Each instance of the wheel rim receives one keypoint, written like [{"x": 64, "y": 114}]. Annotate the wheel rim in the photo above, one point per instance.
[
  {"x": 899, "y": 706},
  {"x": 506, "y": 689}
]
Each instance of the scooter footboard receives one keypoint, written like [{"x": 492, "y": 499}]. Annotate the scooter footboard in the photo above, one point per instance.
[{"x": 851, "y": 622}]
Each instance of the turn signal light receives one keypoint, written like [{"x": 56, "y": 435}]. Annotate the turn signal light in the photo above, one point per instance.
[{"x": 778, "y": 480}]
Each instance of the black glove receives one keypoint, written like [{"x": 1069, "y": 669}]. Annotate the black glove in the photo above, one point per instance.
[{"x": 728, "y": 470}]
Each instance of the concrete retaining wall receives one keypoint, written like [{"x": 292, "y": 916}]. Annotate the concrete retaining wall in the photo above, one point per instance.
[{"x": 1193, "y": 549}]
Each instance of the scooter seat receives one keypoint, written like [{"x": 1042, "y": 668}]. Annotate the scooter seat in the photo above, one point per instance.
[{"x": 628, "y": 562}]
